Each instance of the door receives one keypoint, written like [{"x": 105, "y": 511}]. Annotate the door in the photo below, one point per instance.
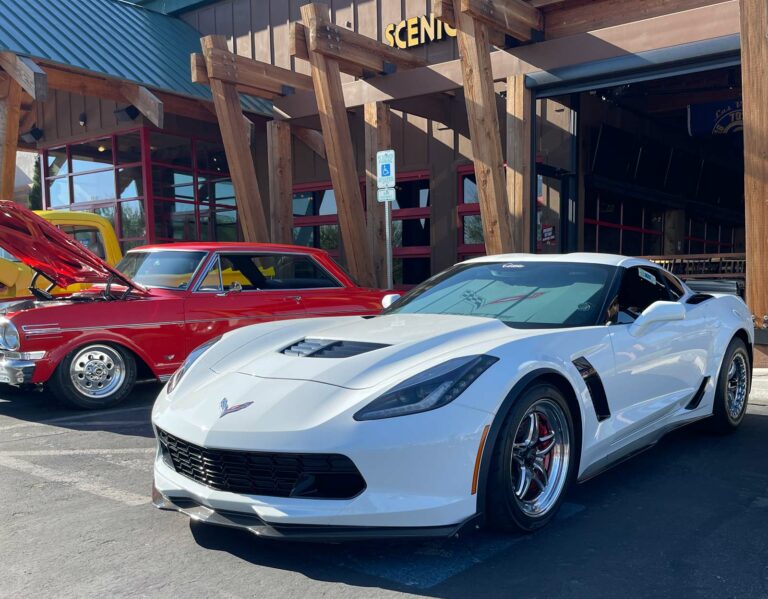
[
  {"x": 238, "y": 289},
  {"x": 657, "y": 371},
  {"x": 555, "y": 184}
]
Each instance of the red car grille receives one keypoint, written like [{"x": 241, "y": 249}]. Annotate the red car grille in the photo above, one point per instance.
[{"x": 306, "y": 475}]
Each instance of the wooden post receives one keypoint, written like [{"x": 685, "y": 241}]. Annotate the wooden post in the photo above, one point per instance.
[
  {"x": 519, "y": 160},
  {"x": 377, "y": 137},
  {"x": 479, "y": 94},
  {"x": 754, "y": 75},
  {"x": 253, "y": 222},
  {"x": 326, "y": 78},
  {"x": 10, "y": 113},
  {"x": 280, "y": 181}
]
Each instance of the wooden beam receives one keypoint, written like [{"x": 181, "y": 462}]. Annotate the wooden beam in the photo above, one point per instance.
[
  {"x": 311, "y": 138},
  {"x": 280, "y": 181},
  {"x": 754, "y": 85},
  {"x": 326, "y": 78},
  {"x": 247, "y": 73},
  {"x": 351, "y": 48},
  {"x": 480, "y": 99},
  {"x": 145, "y": 101},
  {"x": 250, "y": 209},
  {"x": 686, "y": 27},
  {"x": 512, "y": 17},
  {"x": 28, "y": 119},
  {"x": 519, "y": 109},
  {"x": 578, "y": 17},
  {"x": 10, "y": 113},
  {"x": 26, "y": 73},
  {"x": 378, "y": 136}
]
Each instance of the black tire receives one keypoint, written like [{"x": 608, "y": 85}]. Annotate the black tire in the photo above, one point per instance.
[
  {"x": 73, "y": 394},
  {"x": 726, "y": 414},
  {"x": 504, "y": 508}
]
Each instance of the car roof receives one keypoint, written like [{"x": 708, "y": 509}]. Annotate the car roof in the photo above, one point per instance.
[
  {"x": 213, "y": 246},
  {"x": 576, "y": 257}
]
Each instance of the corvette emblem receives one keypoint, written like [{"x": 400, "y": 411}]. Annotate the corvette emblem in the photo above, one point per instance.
[{"x": 226, "y": 409}]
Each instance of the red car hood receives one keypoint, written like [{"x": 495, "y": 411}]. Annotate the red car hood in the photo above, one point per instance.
[{"x": 54, "y": 254}]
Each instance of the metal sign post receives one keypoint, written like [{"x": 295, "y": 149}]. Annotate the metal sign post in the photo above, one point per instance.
[{"x": 385, "y": 184}]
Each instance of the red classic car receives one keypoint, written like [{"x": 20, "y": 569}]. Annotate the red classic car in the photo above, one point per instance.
[{"x": 141, "y": 319}]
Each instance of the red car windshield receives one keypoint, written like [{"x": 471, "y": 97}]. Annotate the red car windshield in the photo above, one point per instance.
[{"x": 169, "y": 269}]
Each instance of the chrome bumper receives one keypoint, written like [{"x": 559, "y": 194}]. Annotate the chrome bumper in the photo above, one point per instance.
[{"x": 17, "y": 368}]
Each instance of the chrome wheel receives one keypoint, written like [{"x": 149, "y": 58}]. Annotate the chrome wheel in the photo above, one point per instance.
[
  {"x": 97, "y": 371},
  {"x": 736, "y": 386},
  {"x": 540, "y": 456}
]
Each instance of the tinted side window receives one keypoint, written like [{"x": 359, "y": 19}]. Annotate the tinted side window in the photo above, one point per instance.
[
  {"x": 273, "y": 271},
  {"x": 640, "y": 287},
  {"x": 675, "y": 288}
]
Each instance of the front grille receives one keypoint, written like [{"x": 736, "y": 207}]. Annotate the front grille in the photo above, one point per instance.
[{"x": 307, "y": 475}]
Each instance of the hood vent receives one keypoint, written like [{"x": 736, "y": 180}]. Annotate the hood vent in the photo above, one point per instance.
[{"x": 327, "y": 348}]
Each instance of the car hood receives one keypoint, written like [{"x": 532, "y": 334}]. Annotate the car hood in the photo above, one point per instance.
[
  {"x": 52, "y": 253},
  {"x": 359, "y": 352}
]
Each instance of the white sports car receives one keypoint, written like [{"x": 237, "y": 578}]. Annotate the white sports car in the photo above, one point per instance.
[{"x": 479, "y": 395}]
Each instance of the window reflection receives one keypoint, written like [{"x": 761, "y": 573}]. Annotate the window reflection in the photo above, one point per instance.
[{"x": 91, "y": 155}]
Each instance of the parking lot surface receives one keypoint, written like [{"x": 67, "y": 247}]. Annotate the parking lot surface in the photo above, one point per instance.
[{"x": 689, "y": 518}]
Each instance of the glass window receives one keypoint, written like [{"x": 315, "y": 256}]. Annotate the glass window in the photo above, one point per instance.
[
  {"x": 171, "y": 183},
  {"x": 90, "y": 237},
  {"x": 304, "y": 236},
  {"x": 469, "y": 189},
  {"x": 219, "y": 225},
  {"x": 675, "y": 288},
  {"x": 411, "y": 194},
  {"x": 132, "y": 219},
  {"x": 128, "y": 148},
  {"x": 212, "y": 280},
  {"x": 171, "y": 269},
  {"x": 57, "y": 162},
  {"x": 170, "y": 149},
  {"x": 211, "y": 157},
  {"x": 216, "y": 190},
  {"x": 175, "y": 220},
  {"x": 640, "y": 287},
  {"x": 131, "y": 243},
  {"x": 58, "y": 193},
  {"x": 520, "y": 294},
  {"x": 473, "y": 229},
  {"x": 91, "y": 155},
  {"x": 314, "y": 203},
  {"x": 274, "y": 271},
  {"x": 412, "y": 232},
  {"x": 94, "y": 187},
  {"x": 130, "y": 182}
]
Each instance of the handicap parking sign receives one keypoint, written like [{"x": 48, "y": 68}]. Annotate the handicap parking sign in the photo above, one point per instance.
[{"x": 385, "y": 162}]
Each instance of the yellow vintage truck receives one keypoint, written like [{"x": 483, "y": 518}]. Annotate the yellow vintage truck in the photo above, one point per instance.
[{"x": 93, "y": 231}]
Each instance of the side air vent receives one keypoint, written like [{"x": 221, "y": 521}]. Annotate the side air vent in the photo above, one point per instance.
[{"x": 328, "y": 348}]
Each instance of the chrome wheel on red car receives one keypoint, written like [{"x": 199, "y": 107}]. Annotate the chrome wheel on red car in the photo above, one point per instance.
[
  {"x": 97, "y": 371},
  {"x": 99, "y": 375}
]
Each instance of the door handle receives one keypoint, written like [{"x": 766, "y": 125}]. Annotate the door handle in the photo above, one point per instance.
[{"x": 297, "y": 298}]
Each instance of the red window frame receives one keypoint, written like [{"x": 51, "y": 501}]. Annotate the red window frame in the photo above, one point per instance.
[
  {"x": 149, "y": 196},
  {"x": 719, "y": 246},
  {"x": 465, "y": 250}
]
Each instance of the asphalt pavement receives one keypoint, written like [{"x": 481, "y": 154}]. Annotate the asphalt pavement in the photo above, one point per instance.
[{"x": 689, "y": 518}]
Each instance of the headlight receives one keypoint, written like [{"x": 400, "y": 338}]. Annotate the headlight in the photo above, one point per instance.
[
  {"x": 9, "y": 335},
  {"x": 191, "y": 359},
  {"x": 428, "y": 390}
]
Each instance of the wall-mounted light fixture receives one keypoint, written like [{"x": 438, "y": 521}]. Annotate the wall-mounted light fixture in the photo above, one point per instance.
[
  {"x": 83, "y": 120},
  {"x": 32, "y": 136},
  {"x": 129, "y": 113}
]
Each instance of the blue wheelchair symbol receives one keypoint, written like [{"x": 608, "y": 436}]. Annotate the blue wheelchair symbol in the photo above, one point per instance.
[{"x": 386, "y": 170}]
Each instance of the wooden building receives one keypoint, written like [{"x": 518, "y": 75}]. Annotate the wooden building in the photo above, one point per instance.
[{"x": 624, "y": 126}]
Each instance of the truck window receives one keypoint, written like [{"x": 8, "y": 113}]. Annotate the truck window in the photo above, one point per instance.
[{"x": 90, "y": 237}]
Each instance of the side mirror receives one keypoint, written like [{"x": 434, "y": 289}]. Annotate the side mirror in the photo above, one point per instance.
[
  {"x": 389, "y": 299},
  {"x": 235, "y": 287},
  {"x": 655, "y": 313}
]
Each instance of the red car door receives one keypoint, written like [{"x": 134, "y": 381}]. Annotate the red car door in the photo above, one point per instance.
[{"x": 234, "y": 292}]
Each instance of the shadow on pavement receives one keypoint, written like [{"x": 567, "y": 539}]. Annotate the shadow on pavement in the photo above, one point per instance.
[
  {"x": 687, "y": 518},
  {"x": 131, "y": 417}
]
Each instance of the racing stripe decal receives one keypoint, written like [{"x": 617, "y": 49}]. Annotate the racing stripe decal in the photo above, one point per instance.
[{"x": 594, "y": 386}]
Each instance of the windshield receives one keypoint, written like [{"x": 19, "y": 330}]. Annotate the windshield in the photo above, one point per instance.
[
  {"x": 520, "y": 294},
  {"x": 167, "y": 269}
]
